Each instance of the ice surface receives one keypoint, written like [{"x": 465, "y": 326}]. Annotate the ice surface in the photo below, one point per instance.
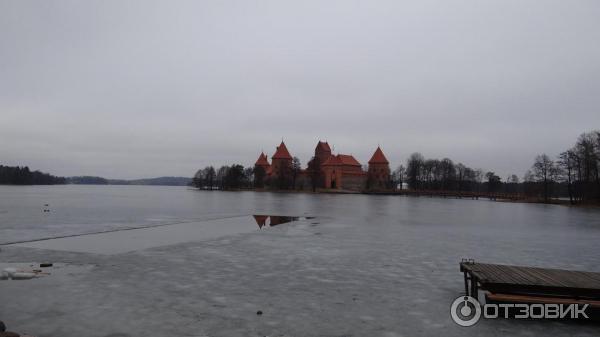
[
  {"x": 122, "y": 241},
  {"x": 373, "y": 266}
]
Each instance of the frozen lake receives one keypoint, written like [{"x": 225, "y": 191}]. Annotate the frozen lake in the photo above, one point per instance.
[{"x": 367, "y": 265}]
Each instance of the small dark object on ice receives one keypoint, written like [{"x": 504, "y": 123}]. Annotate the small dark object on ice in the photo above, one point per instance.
[
  {"x": 259, "y": 312},
  {"x": 2, "y": 327},
  {"x": 45, "y": 265}
]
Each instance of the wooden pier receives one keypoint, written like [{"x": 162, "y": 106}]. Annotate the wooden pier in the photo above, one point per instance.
[{"x": 517, "y": 284}]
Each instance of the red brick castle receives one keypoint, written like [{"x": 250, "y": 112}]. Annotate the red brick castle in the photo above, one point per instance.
[{"x": 325, "y": 171}]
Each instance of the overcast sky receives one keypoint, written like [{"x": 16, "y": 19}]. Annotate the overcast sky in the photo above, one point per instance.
[{"x": 130, "y": 89}]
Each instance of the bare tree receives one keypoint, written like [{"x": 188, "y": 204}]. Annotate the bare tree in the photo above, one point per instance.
[
  {"x": 587, "y": 164},
  {"x": 221, "y": 176},
  {"x": 567, "y": 162},
  {"x": 296, "y": 168},
  {"x": 460, "y": 169},
  {"x": 248, "y": 176},
  {"x": 209, "y": 177},
  {"x": 398, "y": 176},
  {"x": 414, "y": 170},
  {"x": 198, "y": 179},
  {"x": 447, "y": 174},
  {"x": 259, "y": 176},
  {"x": 478, "y": 176},
  {"x": 545, "y": 172}
]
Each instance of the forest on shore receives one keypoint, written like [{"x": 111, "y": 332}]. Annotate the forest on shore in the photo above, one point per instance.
[
  {"x": 573, "y": 174},
  {"x": 22, "y": 175}
]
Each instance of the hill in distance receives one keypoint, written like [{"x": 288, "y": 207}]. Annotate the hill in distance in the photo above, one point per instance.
[{"x": 160, "y": 181}]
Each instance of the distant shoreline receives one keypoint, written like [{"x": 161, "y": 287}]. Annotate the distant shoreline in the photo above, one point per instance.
[
  {"x": 420, "y": 194},
  {"x": 408, "y": 193}
]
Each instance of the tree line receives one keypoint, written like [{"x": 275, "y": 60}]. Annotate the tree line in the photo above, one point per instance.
[
  {"x": 573, "y": 174},
  {"x": 577, "y": 170},
  {"x": 445, "y": 175},
  {"x": 225, "y": 177},
  {"x": 22, "y": 175},
  {"x": 236, "y": 176}
]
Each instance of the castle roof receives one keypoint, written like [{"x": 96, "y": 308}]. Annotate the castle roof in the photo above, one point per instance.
[
  {"x": 282, "y": 152},
  {"x": 347, "y": 159},
  {"x": 324, "y": 146},
  {"x": 378, "y": 157},
  {"x": 331, "y": 161},
  {"x": 341, "y": 159},
  {"x": 262, "y": 160}
]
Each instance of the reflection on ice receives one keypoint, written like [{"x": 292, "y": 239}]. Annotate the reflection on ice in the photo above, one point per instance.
[{"x": 274, "y": 220}]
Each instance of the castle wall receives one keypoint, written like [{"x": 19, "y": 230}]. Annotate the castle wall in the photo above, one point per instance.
[
  {"x": 333, "y": 177},
  {"x": 354, "y": 182}
]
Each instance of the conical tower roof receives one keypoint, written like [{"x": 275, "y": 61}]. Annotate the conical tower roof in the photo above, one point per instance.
[
  {"x": 378, "y": 157},
  {"x": 282, "y": 152},
  {"x": 262, "y": 160}
]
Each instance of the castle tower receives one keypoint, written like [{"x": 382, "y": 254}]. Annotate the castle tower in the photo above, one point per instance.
[
  {"x": 262, "y": 169},
  {"x": 281, "y": 164},
  {"x": 315, "y": 165},
  {"x": 379, "y": 171},
  {"x": 322, "y": 152},
  {"x": 263, "y": 162}
]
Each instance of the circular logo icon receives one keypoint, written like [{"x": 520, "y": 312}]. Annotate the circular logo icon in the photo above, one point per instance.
[{"x": 465, "y": 311}]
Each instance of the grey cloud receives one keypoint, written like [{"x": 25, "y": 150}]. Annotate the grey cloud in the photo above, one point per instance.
[{"x": 139, "y": 88}]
